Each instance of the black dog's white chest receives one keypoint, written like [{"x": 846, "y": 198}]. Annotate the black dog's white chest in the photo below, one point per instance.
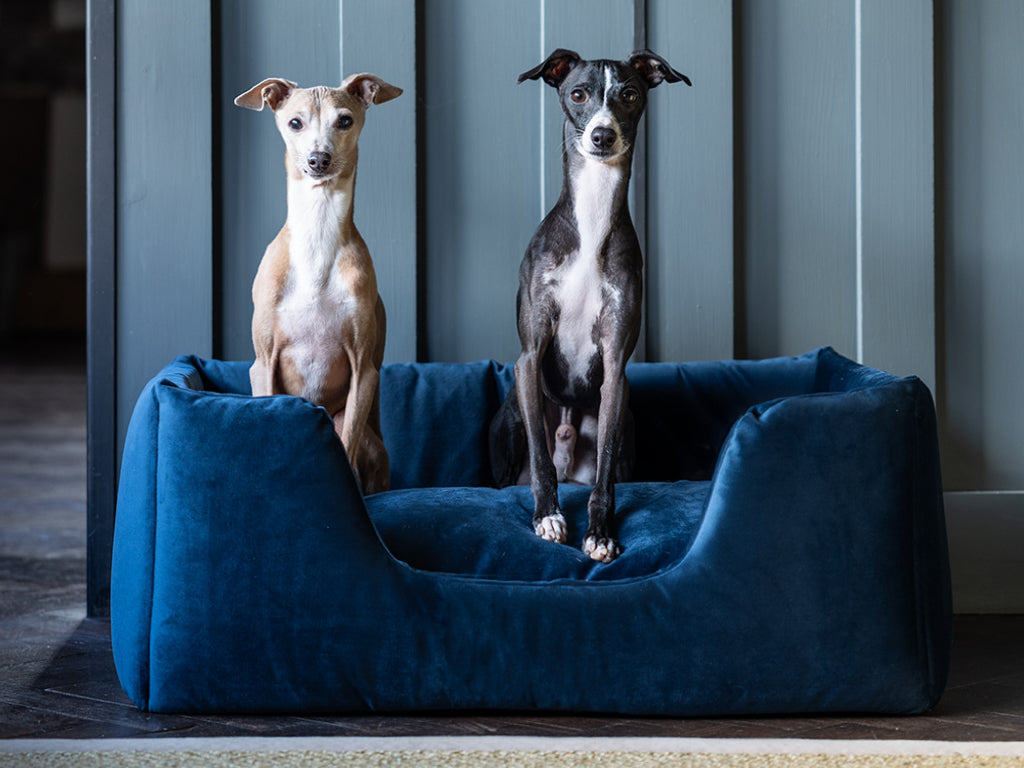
[
  {"x": 579, "y": 286},
  {"x": 578, "y": 290}
]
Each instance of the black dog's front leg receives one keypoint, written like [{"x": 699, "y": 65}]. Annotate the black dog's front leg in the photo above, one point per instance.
[
  {"x": 548, "y": 521},
  {"x": 599, "y": 542}
]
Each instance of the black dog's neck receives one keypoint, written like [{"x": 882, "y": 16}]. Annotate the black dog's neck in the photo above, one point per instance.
[{"x": 577, "y": 168}]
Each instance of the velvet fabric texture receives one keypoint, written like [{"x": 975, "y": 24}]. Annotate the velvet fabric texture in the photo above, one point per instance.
[{"x": 784, "y": 551}]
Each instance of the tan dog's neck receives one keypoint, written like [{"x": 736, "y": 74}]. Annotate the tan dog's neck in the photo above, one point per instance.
[
  {"x": 320, "y": 127},
  {"x": 320, "y": 224}
]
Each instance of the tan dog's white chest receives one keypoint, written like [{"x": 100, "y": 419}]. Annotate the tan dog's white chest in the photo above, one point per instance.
[
  {"x": 316, "y": 301},
  {"x": 312, "y": 316}
]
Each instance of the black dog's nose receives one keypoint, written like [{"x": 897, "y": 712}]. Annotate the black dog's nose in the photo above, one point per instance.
[
  {"x": 319, "y": 161},
  {"x": 603, "y": 137}
]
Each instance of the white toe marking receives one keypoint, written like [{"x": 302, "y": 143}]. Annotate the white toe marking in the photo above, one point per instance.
[
  {"x": 552, "y": 528},
  {"x": 602, "y": 550}
]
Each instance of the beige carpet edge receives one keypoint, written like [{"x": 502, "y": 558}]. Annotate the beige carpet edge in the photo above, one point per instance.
[{"x": 525, "y": 744}]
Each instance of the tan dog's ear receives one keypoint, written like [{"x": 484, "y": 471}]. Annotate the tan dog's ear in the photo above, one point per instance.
[
  {"x": 370, "y": 89},
  {"x": 271, "y": 91}
]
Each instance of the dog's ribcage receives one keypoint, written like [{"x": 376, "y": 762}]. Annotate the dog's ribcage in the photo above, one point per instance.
[{"x": 577, "y": 283}]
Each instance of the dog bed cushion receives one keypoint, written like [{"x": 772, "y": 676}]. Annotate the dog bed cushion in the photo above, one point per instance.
[{"x": 488, "y": 533}]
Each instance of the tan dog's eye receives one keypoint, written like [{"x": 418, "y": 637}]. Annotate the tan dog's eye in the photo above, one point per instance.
[
  {"x": 345, "y": 122},
  {"x": 578, "y": 95},
  {"x": 295, "y": 124}
]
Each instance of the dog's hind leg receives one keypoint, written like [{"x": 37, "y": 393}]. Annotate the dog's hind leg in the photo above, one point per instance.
[
  {"x": 565, "y": 446},
  {"x": 507, "y": 443}
]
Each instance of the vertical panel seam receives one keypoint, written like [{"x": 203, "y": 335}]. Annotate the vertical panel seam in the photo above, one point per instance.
[
  {"x": 740, "y": 336},
  {"x": 640, "y": 178},
  {"x": 542, "y": 114},
  {"x": 858, "y": 181},
  {"x": 341, "y": 40},
  {"x": 101, "y": 299},
  {"x": 217, "y": 333},
  {"x": 420, "y": 176},
  {"x": 939, "y": 207}
]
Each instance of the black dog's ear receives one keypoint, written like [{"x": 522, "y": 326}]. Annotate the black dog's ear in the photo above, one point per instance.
[
  {"x": 654, "y": 69},
  {"x": 554, "y": 69}
]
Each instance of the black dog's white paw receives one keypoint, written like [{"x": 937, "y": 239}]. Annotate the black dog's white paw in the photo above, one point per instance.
[
  {"x": 551, "y": 528},
  {"x": 602, "y": 549}
]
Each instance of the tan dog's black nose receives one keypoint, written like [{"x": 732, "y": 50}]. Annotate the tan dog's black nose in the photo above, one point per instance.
[{"x": 318, "y": 161}]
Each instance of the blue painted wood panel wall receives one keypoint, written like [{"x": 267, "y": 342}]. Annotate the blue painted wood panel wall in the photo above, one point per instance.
[{"x": 846, "y": 172}]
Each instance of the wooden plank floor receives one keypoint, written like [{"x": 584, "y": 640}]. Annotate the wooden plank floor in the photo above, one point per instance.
[{"x": 57, "y": 678}]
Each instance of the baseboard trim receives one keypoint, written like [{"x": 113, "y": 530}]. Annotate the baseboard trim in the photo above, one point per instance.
[{"x": 986, "y": 550}]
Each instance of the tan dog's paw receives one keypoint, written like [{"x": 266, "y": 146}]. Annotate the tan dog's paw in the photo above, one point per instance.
[{"x": 551, "y": 528}]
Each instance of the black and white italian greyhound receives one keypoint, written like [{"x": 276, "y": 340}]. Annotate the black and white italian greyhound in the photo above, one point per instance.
[{"x": 578, "y": 306}]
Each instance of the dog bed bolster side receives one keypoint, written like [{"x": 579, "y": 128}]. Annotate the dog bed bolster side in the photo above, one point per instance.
[
  {"x": 825, "y": 514},
  {"x": 134, "y": 548},
  {"x": 207, "y": 480}
]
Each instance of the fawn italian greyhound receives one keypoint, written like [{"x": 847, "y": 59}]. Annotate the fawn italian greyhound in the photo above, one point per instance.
[
  {"x": 578, "y": 306},
  {"x": 318, "y": 323}
]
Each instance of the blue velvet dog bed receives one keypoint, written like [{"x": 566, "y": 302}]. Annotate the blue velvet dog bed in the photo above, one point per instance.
[{"x": 784, "y": 551}]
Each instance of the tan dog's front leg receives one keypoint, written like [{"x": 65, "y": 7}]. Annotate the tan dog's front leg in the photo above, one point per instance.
[
  {"x": 351, "y": 423},
  {"x": 263, "y": 375},
  {"x": 357, "y": 407}
]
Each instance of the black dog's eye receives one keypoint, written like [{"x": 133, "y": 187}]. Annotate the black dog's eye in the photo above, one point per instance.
[
  {"x": 295, "y": 124},
  {"x": 345, "y": 122},
  {"x": 630, "y": 95},
  {"x": 578, "y": 95}
]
